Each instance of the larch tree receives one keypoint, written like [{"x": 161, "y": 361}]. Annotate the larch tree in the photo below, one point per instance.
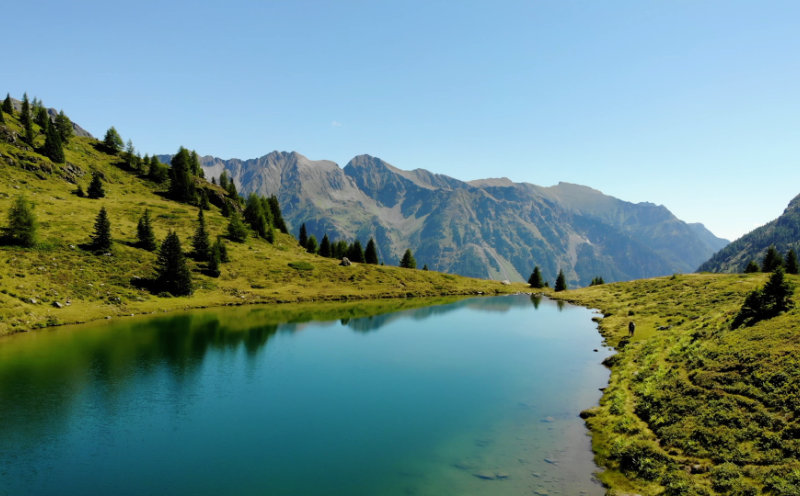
[{"x": 113, "y": 141}]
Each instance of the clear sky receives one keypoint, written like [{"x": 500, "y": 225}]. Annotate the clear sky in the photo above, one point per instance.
[{"x": 691, "y": 104}]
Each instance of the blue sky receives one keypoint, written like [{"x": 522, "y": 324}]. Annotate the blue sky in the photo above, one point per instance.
[{"x": 690, "y": 104}]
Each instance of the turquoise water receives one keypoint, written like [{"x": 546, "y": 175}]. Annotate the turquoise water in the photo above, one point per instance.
[{"x": 480, "y": 396}]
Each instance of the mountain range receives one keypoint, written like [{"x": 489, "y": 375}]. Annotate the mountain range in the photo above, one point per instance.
[
  {"x": 783, "y": 233},
  {"x": 489, "y": 228}
]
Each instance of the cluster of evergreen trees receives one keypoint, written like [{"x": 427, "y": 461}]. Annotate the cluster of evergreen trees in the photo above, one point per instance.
[
  {"x": 339, "y": 249},
  {"x": 57, "y": 132},
  {"x": 767, "y": 302},
  {"x": 537, "y": 281},
  {"x": 773, "y": 259}
]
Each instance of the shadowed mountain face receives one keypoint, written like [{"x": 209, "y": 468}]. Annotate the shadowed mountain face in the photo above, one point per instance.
[
  {"x": 783, "y": 233},
  {"x": 490, "y": 228}
]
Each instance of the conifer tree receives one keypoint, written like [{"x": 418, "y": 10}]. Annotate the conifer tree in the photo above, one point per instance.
[
  {"x": 30, "y": 136},
  {"x": 144, "y": 233},
  {"x": 303, "y": 238},
  {"x": 64, "y": 127},
  {"x": 232, "y": 193},
  {"x": 791, "y": 262},
  {"x": 236, "y": 229},
  {"x": 561, "y": 281},
  {"x": 265, "y": 206},
  {"x": 325, "y": 247},
  {"x": 223, "y": 180},
  {"x": 751, "y": 267},
  {"x": 172, "y": 273},
  {"x": 214, "y": 262},
  {"x": 96, "y": 187},
  {"x": 597, "y": 281},
  {"x": 340, "y": 248},
  {"x": 25, "y": 113},
  {"x": 311, "y": 245},
  {"x": 277, "y": 216},
  {"x": 772, "y": 260},
  {"x": 22, "y": 224},
  {"x": 220, "y": 247},
  {"x": 356, "y": 253},
  {"x": 775, "y": 297},
  {"x": 254, "y": 215},
  {"x": 2, "y": 118},
  {"x": 200, "y": 242},
  {"x": 101, "y": 238},
  {"x": 181, "y": 185},
  {"x": 41, "y": 117},
  {"x": 52, "y": 144},
  {"x": 408, "y": 261},
  {"x": 371, "y": 253},
  {"x": 425, "y": 267},
  {"x": 225, "y": 210},
  {"x": 113, "y": 141},
  {"x": 8, "y": 106},
  {"x": 157, "y": 172},
  {"x": 535, "y": 280},
  {"x": 194, "y": 165}
]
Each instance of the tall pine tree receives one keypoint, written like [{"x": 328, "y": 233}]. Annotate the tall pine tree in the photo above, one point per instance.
[
  {"x": 791, "y": 262},
  {"x": 52, "y": 144},
  {"x": 8, "y": 106},
  {"x": 371, "y": 253},
  {"x": 144, "y": 233},
  {"x": 200, "y": 242},
  {"x": 561, "y": 281},
  {"x": 303, "y": 238},
  {"x": 772, "y": 260},
  {"x": 277, "y": 216},
  {"x": 172, "y": 273},
  {"x": 236, "y": 229},
  {"x": 325, "y": 247},
  {"x": 535, "y": 280},
  {"x": 181, "y": 186},
  {"x": 64, "y": 127},
  {"x": 101, "y": 238},
  {"x": 356, "y": 253},
  {"x": 96, "y": 187}
]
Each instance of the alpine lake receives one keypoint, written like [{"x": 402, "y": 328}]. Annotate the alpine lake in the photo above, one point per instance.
[{"x": 476, "y": 396}]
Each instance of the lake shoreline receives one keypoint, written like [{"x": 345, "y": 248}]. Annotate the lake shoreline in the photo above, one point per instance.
[{"x": 47, "y": 316}]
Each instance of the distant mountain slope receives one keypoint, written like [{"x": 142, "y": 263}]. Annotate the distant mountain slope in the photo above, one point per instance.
[
  {"x": 783, "y": 232},
  {"x": 488, "y": 228}
]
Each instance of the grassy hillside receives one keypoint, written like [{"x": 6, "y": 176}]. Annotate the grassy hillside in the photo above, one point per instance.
[
  {"x": 88, "y": 286},
  {"x": 693, "y": 407}
]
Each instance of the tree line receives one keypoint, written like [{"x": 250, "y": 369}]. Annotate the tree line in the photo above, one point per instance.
[
  {"x": 353, "y": 251},
  {"x": 772, "y": 260}
]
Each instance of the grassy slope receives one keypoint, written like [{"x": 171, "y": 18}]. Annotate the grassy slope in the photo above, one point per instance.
[
  {"x": 696, "y": 408},
  {"x": 58, "y": 270}
]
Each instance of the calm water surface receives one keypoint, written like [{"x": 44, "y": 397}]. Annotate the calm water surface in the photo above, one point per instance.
[{"x": 480, "y": 396}]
